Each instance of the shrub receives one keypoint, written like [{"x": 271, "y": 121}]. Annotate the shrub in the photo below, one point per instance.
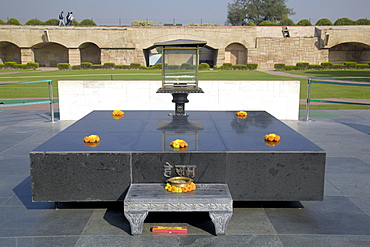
[
  {"x": 2, "y": 66},
  {"x": 279, "y": 66},
  {"x": 52, "y": 22},
  {"x": 250, "y": 24},
  {"x": 108, "y": 65},
  {"x": 135, "y": 65},
  {"x": 75, "y": 23},
  {"x": 302, "y": 66},
  {"x": 141, "y": 23},
  {"x": 34, "y": 22},
  {"x": 324, "y": 22},
  {"x": 268, "y": 23},
  {"x": 287, "y": 22},
  {"x": 351, "y": 65},
  {"x": 344, "y": 21},
  {"x": 97, "y": 66},
  {"x": 32, "y": 65},
  {"x": 315, "y": 67},
  {"x": 290, "y": 67},
  {"x": 157, "y": 66},
  {"x": 239, "y": 67},
  {"x": 363, "y": 66},
  {"x": 186, "y": 66},
  {"x": 87, "y": 22},
  {"x": 10, "y": 64},
  {"x": 63, "y": 66},
  {"x": 362, "y": 22},
  {"x": 252, "y": 66},
  {"x": 327, "y": 65},
  {"x": 86, "y": 65},
  {"x": 13, "y": 21},
  {"x": 304, "y": 22},
  {"x": 20, "y": 66},
  {"x": 76, "y": 67},
  {"x": 226, "y": 66},
  {"x": 121, "y": 66},
  {"x": 2, "y": 22},
  {"x": 172, "y": 67},
  {"x": 203, "y": 66},
  {"x": 339, "y": 66}
]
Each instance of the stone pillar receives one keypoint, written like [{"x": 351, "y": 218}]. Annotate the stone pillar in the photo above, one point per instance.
[
  {"x": 221, "y": 57},
  {"x": 74, "y": 56},
  {"x": 27, "y": 55}
]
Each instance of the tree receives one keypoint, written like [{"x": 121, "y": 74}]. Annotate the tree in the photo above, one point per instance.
[
  {"x": 257, "y": 11},
  {"x": 13, "y": 21},
  {"x": 34, "y": 22},
  {"x": 304, "y": 22},
  {"x": 324, "y": 22},
  {"x": 87, "y": 22},
  {"x": 344, "y": 21}
]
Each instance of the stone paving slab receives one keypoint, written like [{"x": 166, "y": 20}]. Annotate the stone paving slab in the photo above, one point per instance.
[{"x": 341, "y": 219}]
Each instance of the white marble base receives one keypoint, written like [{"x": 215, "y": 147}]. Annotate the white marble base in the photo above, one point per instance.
[{"x": 78, "y": 98}]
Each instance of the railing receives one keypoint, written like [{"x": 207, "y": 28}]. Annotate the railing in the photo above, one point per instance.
[
  {"x": 50, "y": 101},
  {"x": 309, "y": 100}
]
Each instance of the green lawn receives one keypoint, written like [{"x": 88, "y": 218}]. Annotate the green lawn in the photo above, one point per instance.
[{"x": 40, "y": 90}]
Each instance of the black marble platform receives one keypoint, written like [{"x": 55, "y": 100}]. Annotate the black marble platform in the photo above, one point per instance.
[{"x": 135, "y": 149}]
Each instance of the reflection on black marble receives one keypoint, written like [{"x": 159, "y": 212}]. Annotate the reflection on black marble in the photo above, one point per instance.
[{"x": 145, "y": 131}]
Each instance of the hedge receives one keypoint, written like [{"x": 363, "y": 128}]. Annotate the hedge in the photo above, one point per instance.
[
  {"x": 203, "y": 66},
  {"x": 302, "y": 66},
  {"x": 14, "y": 65},
  {"x": 322, "y": 66},
  {"x": 63, "y": 66},
  {"x": 122, "y": 66},
  {"x": 279, "y": 66},
  {"x": 86, "y": 65},
  {"x": 108, "y": 65},
  {"x": 32, "y": 65},
  {"x": 10, "y": 65}
]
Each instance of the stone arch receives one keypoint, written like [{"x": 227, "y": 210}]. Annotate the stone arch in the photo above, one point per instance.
[
  {"x": 90, "y": 52},
  {"x": 49, "y": 54},
  {"x": 350, "y": 52},
  {"x": 9, "y": 52},
  {"x": 236, "y": 53}
]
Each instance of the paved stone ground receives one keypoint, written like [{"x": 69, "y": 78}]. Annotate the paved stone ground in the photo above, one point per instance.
[{"x": 342, "y": 219}]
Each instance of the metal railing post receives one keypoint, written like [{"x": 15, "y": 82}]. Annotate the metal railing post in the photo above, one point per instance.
[
  {"x": 307, "y": 118},
  {"x": 50, "y": 82},
  {"x": 308, "y": 100}
]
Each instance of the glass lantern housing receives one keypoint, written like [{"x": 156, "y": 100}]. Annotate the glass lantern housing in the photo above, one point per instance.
[{"x": 180, "y": 59}]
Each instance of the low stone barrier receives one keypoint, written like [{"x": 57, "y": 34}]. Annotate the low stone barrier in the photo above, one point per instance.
[{"x": 279, "y": 98}]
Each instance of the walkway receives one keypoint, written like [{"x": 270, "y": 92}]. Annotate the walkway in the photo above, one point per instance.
[{"x": 342, "y": 219}]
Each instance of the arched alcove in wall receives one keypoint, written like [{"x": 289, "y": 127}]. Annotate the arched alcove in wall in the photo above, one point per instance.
[
  {"x": 49, "y": 54},
  {"x": 208, "y": 55},
  {"x": 236, "y": 53},
  {"x": 9, "y": 52},
  {"x": 90, "y": 52},
  {"x": 350, "y": 52}
]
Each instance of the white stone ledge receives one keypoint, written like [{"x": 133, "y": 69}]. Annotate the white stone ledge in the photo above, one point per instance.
[{"x": 279, "y": 98}]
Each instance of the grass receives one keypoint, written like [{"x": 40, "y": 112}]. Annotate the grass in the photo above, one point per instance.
[{"x": 40, "y": 90}]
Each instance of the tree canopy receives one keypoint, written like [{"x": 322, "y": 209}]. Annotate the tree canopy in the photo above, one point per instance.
[{"x": 242, "y": 11}]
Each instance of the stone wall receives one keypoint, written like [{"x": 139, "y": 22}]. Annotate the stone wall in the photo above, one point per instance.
[{"x": 124, "y": 45}]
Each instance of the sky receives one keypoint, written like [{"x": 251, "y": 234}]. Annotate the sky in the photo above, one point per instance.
[{"x": 122, "y": 12}]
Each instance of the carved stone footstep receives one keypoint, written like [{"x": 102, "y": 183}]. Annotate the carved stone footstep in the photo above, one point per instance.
[{"x": 144, "y": 198}]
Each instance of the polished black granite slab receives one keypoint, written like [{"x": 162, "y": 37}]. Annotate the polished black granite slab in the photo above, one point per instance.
[{"x": 135, "y": 149}]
